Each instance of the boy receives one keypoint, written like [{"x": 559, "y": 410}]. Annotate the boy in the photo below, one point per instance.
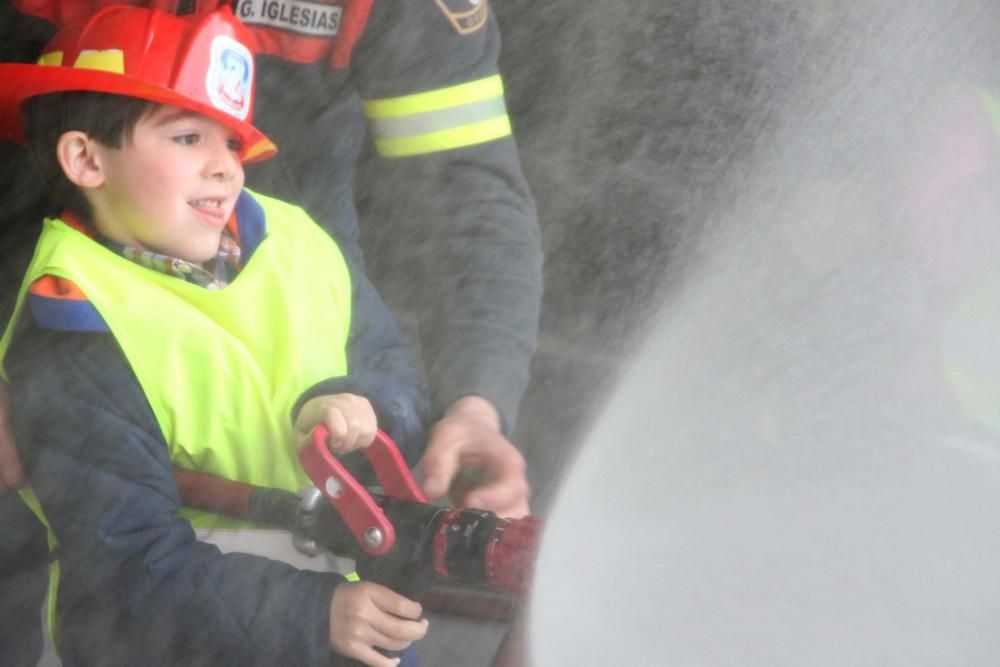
[{"x": 172, "y": 318}]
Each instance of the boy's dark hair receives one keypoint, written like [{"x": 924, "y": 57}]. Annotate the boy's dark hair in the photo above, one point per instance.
[{"x": 106, "y": 118}]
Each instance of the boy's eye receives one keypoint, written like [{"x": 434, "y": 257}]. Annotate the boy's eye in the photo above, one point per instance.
[
  {"x": 235, "y": 145},
  {"x": 188, "y": 139}
]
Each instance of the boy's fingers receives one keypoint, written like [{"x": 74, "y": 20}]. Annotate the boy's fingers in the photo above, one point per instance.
[
  {"x": 353, "y": 439},
  {"x": 359, "y": 427},
  {"x": 351, "y": 422},
  {"x": 310, "y": 415},
  {"x": 371, "y": 424},
  {"x": 393, "y": 603},
  {"x": 335, "y": 422},
  {"x": 398, "y": 631},
  {"x": 368, "y": 425},
  {"x": 388, "y": 642},
  {"x": 366, "y": 436},
  {"x": 360, "y": 423}
]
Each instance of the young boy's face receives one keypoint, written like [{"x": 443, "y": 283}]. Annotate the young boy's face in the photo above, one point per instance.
[{"x": 172, "y": 187}]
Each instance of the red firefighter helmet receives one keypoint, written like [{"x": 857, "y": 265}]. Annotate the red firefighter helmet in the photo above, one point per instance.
[{"x": 201, "y": 62}]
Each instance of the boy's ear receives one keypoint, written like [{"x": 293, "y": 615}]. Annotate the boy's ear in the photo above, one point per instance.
[{"x": 79, "y": 159}]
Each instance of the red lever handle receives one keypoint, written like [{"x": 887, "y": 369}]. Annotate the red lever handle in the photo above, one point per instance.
[
  {"x": 391, "y": 470},
  {"x": 363, "y": 516}
]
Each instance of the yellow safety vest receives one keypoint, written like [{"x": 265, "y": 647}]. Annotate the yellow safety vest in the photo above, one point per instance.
[{"x": 220, "y": 369}]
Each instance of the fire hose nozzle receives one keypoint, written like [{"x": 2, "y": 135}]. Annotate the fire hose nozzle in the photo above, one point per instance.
[
  {"x": 396, "y": 537},
  {"x": 510, "y": 556}
]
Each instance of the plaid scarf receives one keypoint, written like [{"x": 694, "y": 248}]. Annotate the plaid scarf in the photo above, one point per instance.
[{"x": 215, "y": 274}]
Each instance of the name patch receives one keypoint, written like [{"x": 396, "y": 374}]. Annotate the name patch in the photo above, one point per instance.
[
  {"x": 300, "y": 16},
  {"x": 465, "y": 16}
]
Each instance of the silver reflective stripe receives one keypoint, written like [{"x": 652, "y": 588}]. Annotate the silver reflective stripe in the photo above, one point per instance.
[
  {"x": 273, "y": 544},
  {"x": 440, "y": 119}
]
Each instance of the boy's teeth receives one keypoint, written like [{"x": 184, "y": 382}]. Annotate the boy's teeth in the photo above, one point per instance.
[{"x": 207, "y": 202}]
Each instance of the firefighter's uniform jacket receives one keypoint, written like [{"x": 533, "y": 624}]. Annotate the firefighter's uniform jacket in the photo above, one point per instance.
[
  {"x": 422, "y": 76},
  {"x": 141, "y": 371}
]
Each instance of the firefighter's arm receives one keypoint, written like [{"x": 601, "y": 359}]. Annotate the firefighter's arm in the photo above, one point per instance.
[
  {"x": 427, "y": 74},
  {"x": 436, "y": 108},
  {"x": 468, "y": 439}
]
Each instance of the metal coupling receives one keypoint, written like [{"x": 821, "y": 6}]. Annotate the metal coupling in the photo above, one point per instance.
[{"x": 305, "y": 515}]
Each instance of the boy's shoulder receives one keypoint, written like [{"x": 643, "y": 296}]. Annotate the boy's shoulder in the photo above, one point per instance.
[
  {"x": 57, "y": 304},
  {"x": 259, "y": 210},
  {"x": 265, "y": 215}
]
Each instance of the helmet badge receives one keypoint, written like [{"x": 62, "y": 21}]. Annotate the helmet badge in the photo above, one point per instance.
[{"x": 230, "y": 77}]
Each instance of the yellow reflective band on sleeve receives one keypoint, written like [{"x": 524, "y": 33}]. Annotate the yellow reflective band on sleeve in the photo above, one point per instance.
[
  {"x": 438, "y": 120},
  {"x": 443, "y": 140},
  {"x": 352, "y": 576},
  {"x": 432, "y": 100}
]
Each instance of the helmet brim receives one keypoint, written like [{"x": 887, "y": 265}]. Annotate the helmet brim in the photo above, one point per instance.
[{"x": 23, "y": 81}]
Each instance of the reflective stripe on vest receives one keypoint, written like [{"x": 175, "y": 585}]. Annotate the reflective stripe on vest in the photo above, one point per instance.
[
  {"x": 273, "y": 544},
  {"x": 437, "y": 120}
]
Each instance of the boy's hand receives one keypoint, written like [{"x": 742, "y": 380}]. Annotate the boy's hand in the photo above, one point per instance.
[
  {"x": 365, "y": 615},
  {"x": 469, "y": 457},
  {"x": 349, "y": 418}
]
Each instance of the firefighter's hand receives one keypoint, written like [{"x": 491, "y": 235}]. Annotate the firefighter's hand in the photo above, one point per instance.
[
  {"x": 11, "y": 472},
  {"x": 365, "y": 615},
  {"x": 469, "y": 457},
  {"x": 349, "y": 418}
]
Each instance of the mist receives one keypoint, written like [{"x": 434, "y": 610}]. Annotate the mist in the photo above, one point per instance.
[{"x": 801, "y": 465}]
